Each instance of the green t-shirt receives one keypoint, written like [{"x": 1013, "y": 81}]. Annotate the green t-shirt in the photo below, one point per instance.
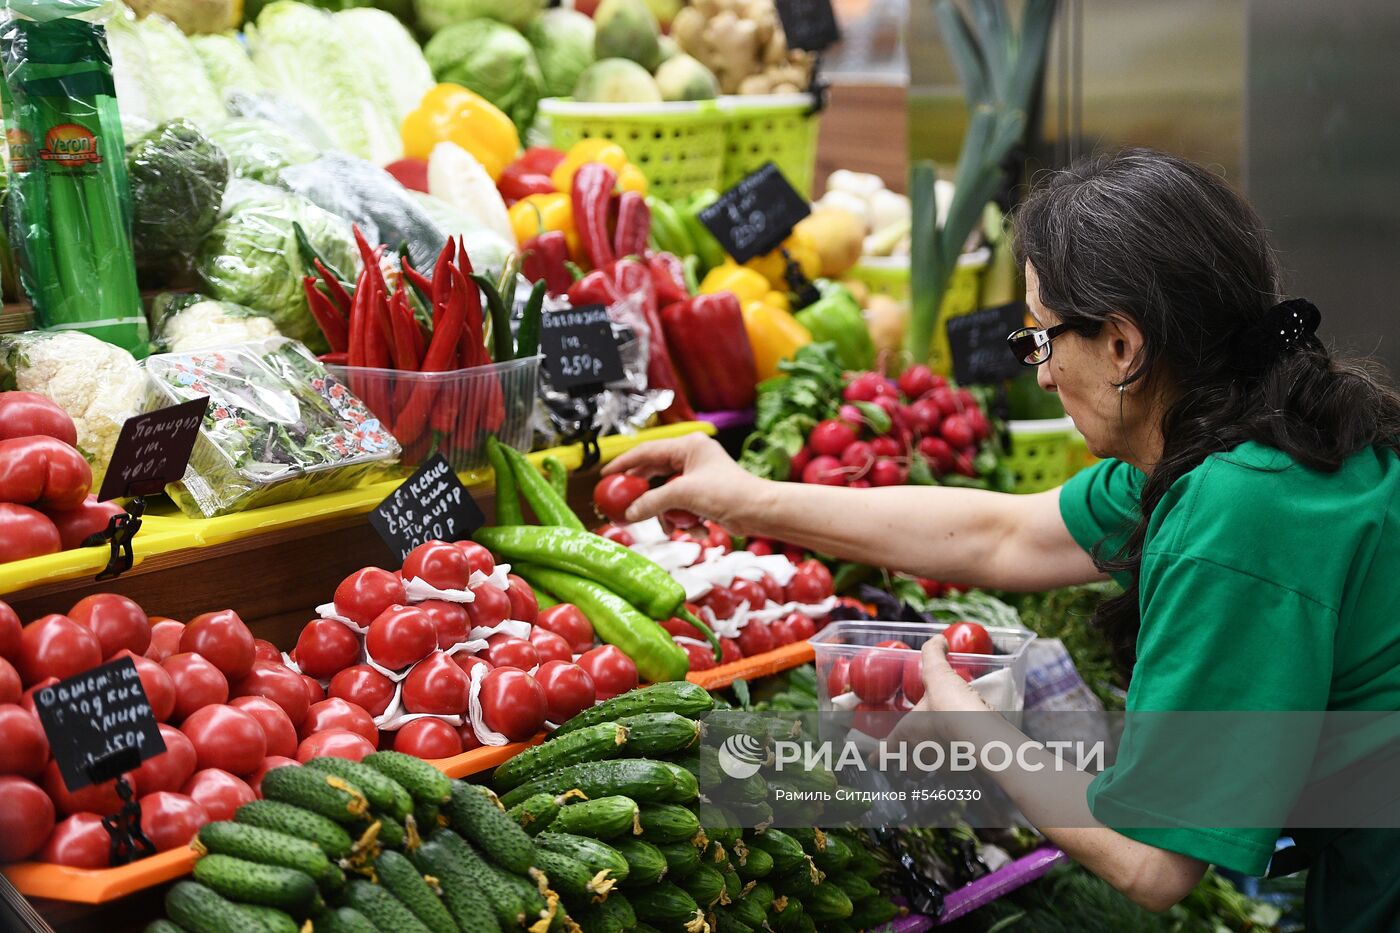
[{"x": 1264, "y": 586}]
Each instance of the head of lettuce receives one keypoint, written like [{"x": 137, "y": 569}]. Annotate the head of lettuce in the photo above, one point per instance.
[
  {"x": 493, "y": 60},
  {"x": 439, "y": 14}
]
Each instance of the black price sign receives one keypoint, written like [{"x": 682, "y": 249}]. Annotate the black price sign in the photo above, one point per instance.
[
  {"x": 153, "y": 449},
  {"x": 756, "y": 215},
  {"x": 431, "y": 505},
  {"x": 99, "y": 723},
  {"x": 579, "y": 347},
  {"x": 809, "y": 24},
  {"x": 977, "y": 342}
]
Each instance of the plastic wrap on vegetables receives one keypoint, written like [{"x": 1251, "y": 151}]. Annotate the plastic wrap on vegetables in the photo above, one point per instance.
[
  {"x": 287, "y": 115},
  {"x": 186, "y": 321},
  {"x": 278, "y": 428},
  {"x": 177, "y": 187},
  {"x": 227, "y": 64},
  {"x": 259, "y": 150}
]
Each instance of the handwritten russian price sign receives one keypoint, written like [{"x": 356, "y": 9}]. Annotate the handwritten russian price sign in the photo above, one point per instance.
[
  {"x": 99, "y": 723},
  {"x": 756, "y": 215},
  {"x": 431, "y": 505},
  {"x": 977, "y": 343},
  {"x": 809, "y": 24},
  {"x": 579, "y": 347},
  {"x": 153, "y": 449}
]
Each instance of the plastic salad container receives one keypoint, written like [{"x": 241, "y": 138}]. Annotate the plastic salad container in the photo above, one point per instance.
[
  {"x": 999, "y": 678},
  {"x": 279, "y": 427}
]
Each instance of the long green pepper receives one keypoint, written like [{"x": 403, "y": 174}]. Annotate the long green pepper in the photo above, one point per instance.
[
  {"x": 549, "y": 507},
  {"x": 557, "y": 474},
  {"x": 508, "y": 510}
]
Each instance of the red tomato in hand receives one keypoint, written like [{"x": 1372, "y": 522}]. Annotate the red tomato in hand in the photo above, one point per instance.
[
  {"x": 811, "y": 584},
  {"x": 24, "y": 749},
  {"x": 9, "y": 632},
  {"x": 278, "y": 683},
  {"x": 478, "y": 558},
  {"x": 10, "y": 687},
  {"x": 226, "y": 737},
  {"x": 29, "y": 414},
  {"x": 436, "y": 685},
  {"x": 443, "y": 565},
  {"x": 363, "y": 595},
  {"x": 450, "y": 620},
  {"x": 171, "y": 820},
  {"x": 568, "y": 622},
  {"x": 612, "y": 671},
  {"x": 749, "y": 592},
  {"x": 197, "y": 684},
  {"x": 339, "y": 714},
  {"x": 223, "y": 639},
  {"x": 399, "y": 636},
  {"x": 363, "y": 686},
  {"x": 314, "y": 692},
  {"x": 325, "y": 647},
  {"x": 334, "y": 743},
  {"x": 264, "y": 650},
  {"x": 165, "y": 639},
  {"x": 549, "y": 646},
  {"x": 513, "y": 704},
  {"x": 838, "y": 679},
  {"x": 568, "y": 690},
  {"x": 171, "y": 768},
  {"x": 116, "y": 621},
  {"x": 76, "y": 525},
  {"x": 755, "y": 638},
  {"x": 968, "y": 638},
  {"x": 158, "y": 684},
  {"x": 101, "y": 799},
  {"x": 80, "y": 841},
  {"x": 490, "y": 608},
  {"x": 218, "y": 792},
  {"x": 702, "y": 657},
  {"x": 615, "y": 494},
  {"x": 428, "y": 738},
  {"x": 523, "y": 605},
  {"x": 269, "y": 763},
  {"x": 26, "y": 818},
  {"x": 875, "y": 676},
  {"x": 26, "y": 533},
  {"x": 277, "y": 726},
  {"x": 508, "y": 651},
  {"x": 56, "y": 646}
]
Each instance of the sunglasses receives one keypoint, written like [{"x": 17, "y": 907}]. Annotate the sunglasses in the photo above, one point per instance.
[{"x": 1031, "y": 345}]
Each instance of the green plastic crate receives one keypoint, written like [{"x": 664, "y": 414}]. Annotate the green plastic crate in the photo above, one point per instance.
[
  {"x": 777, "y": 128},
  {"x": 1042, "y": 453}
]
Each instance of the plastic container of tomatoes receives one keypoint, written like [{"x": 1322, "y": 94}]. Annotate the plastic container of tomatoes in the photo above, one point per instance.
[{"x": 854, "y": 671}]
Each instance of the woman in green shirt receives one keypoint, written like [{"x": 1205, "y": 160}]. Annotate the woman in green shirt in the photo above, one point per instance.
[{"x": 1247, "y": 501}]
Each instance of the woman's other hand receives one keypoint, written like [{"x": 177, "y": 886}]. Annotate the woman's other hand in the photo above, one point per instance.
[{"x": 706, "y": 481}]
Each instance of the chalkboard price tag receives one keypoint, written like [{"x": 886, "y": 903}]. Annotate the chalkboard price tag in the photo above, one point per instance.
[
  {"x": 809, "y": 24},
  {"x": 756, "y": 215},
  {"x": 579, "y": 347},
  {"x": 431, "y": 505},
  {"x": 153, "y": 449},
  {"x": 99, "y": 723},
  {"x": 977, "y": 342}
]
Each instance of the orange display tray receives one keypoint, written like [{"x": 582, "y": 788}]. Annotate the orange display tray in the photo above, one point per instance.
[
  {"x": 760, "y": 665},
  {"x": 481, "y": 759}
]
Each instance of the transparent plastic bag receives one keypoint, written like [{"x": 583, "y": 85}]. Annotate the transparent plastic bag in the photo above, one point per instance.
[
  {"x": 185, "y": 321},
  {"x": 178, "y": 177},
  {"x": 286, "y": 115},
  {"x": 258, "y": 149}
]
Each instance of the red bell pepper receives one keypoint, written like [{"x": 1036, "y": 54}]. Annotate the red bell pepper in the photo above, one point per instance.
[
  {"x": 633, "y": 225},
  {"x": 517, "y": 184},
  {"x": 591, "y": 197},
  {"x": 633, "y": 280},
  {"x": 545, "y": 258},
  {"x": 713, "y": 350},
  {"x": 595, "y": 288},
  {"x": 540, "y": 160},
  {"x": 668, "y": 275}
]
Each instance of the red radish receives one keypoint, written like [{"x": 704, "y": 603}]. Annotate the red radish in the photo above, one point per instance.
[
  {"x": 859, "y": 455},
  {"x": 729, "y": 651},
  {"x": 966, "y": 400},
  {"x": 926, "y": 414},
  {"x": 851, "y": 414},
  {"x": 886, "y": 447},
  {"x": 825, "y": 471},
  {"x": 864, "y": 388},
  {"x": 799, "y": 461},
  {"x": 962, "y": 463},
  {"x": 944, "y": 398},
  {"x": 832, "y": 436},
  {"x": 702, "y": 657},
  {"x": 889, "y": 405},
  {"x": 981, "y": 427},
  {"x": 861, "y": 484},
  {"x": 760, "y": 546},
  {"x": 888, "y": 473},
  {"x": 938, "y": 453},
  {"x": 916, "y": 380},
  {"x": 956, "y": 431}
]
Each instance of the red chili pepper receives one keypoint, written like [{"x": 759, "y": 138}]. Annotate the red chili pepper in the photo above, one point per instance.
[
  {"x": 339, "y": 296},
  {"x": 592, "y": 198},
  {"x": 334, "y": 359},
  {"x": 713, "y": 351},
  {"x": 516, "y": 183},
  {"x": 330, "y": 321},
  {"x": 414, "y": 417},
  {"x": 633, "y": 225},
  {"x": 668, "y": 274},
  {"x": 538, "y": 159},
  {"x": 633, "y": 279},
  {"x": 544, "y": 257},
  {"x": 415, "y": 278}
]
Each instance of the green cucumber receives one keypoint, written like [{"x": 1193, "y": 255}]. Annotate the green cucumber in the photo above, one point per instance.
[
  {"x": 720, "y": 724},
  {"x": 682, "y": 859},
  {"x": 602, "y": 818},
  {"x": 537, "y": 905},
  {"x": 345, "y": 920},
  {"x": 864, "y": 864},
  {"x": 381, "y": 908},
  {"x": 870, "y": 912},
  {"x": 714, "y": 854},
  {"x": 655, "y": 735},
  {"x": 598, "y": 856},
  {"x": 399, "y": 876},
  {"x": 383, "y": 792},
  {"x": 477, "y": 815},
  {"x": 428, "y": 817},
  {"x": 669, "y": 822},
  {"x": 719, "y": 824},
  {"x": 389, "y": 833},
  {"x": 595, "y": 743},
  {"x": 705, "y": 884},
  {"x": 834, "y": 856},
  {"x": 733, "y": 884},
  {"x": 509, "y": 908},
  {"x": 271, "y": 918},
  {"x": 573, "y": 879},
  {"x": 798, "y": 882},
  {"x": 752, "y": 907},
  {"x": 167, "y": 926},
  {"x": 614, "y": 915},
  {"x": 641, "y": 779},
  {"x": 327, "y": 794},
  {"x": 753, "y": 863},
  {"x": 645, "y": 863},
  {"x": 470, "y": 906},
  {"x": 681, "y": 697},
  {"x": 255, "y": 883},
  {"x": 725, "y": 921},
  {"x": 856, "y": 887},
  {"x": 198, "y": 909},
  {"x": 828, "y": 902},
  {"x": 668, "y": 906},
  {"x": 786, "y": 915},
  {"x": 535, "y": 814},
  {"x": 295, "y": 821},
  {"x": 423, "y": 782},
  {"x": 786, "y": 851},
  {"x": 270, "y": 848}
]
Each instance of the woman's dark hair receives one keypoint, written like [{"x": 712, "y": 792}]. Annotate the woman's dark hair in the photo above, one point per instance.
[{"x": 1169, "y": 245}]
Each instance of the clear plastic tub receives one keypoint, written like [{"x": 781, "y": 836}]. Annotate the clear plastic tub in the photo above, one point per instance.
[
  {"x": 450, "y": 413},
  {"x": 999, "y": 678}
]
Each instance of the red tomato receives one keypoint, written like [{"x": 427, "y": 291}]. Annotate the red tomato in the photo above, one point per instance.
[
  {"x": 721, "y": 602},
  {"x": 968, "y": 638},
  {"x": 443, "y": 565},
  {"x": 325, "y": 647},
  {"x": 277, "y": 726},
  {"x": 23, "y": 746},
  {"x": 750, "y": 592},
  {"x": 226, "y": 737},
  {"x": 278, "y": 683},
  {"x": 568, "y": 690},
  {"x": 513, "y": 703},
  {"x": 165, "y": 639},
  {"x": 468, "y": 661},
  {"x": 550, "y": 647},
  {"x": 680, "y": 627},
  {"x": 314, "y": 692},
  {"x": 490, "y": 608},
  {"x": 783, "y": 631},
  {"x": 615, "y": 494},
  {"x": 702, "y": 657},
  {"x": 9, "y": 632},
  {"x": 158, "y": 684},
  {"x": 772, "y": 589},
  {"x": 10, "y": 687},
  {"x": 25, "y": 533},
  {"x": 43, "y": 472},
  {"x": 508, "y": 651},
  {"x": 171, "y": 768},
  {"x": 478, "y": 558},
  {"x": 838, "y": 679},
  {"x": 913, "y": 680},
  {"x": 802, "y": 626},
  {"x": 614, "y": 533},
  {"x": 436, "y": 685},
  {"x": 467, "y": 734},
  {"x": 223, "y": 639},
  {"x": 80, "y": 841},
  {"x": 363, "y": 595},
  {"x": 101, "y": 799},
  {"x": 612, "y": 671},
  {"x": 875, "y": 719},
  {"x": 399, "y": 636},
  {"x": 76, "y": 526},
  {"x": 56, "y": 646},
  {"x": 429, "y": 738},
  {"x": 264, "y": 650},
  {"x": 450, "y": 620},
  {"x": 339, "y": 714},
  {"x": 824, "y": 471},
  {"x": 334, "y": 743},
  {"x": 116, "y": 621},
  {"x": 27, "y": 699},
  {"x": 811, "y": 584},
  {"x": 568, "y": 622},
  {"x": 268, "y": 763},
  {"x": 729, "y": 651},
  {"x": 26, "y": 818},
  {"x": 875, "y": 676},
  {"x": 893, "y": 643},
  {"x": 218, "y": 792},
  {"x": 28, "y": 414},
  {"x": 197, "y": 683},
  {"x": 365, "y": 687},
  {"x": 171, "y": 820},
  {"x": 523, "y": 605},
  {"x": 755, "y": 638}
]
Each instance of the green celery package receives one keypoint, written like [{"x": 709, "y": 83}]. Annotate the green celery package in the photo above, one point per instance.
[{"x": 71, "y": 211}]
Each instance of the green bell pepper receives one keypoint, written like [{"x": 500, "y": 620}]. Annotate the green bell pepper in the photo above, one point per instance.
[
  {"x": 706, "y": 246},
  {"x": 835, "y": 318}
]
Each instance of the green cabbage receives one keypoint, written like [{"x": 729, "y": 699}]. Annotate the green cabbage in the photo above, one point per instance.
[
  {"x": 259, "y": 150},
  {"x": 563, "y": 44},
  {"x": 227, "y": 64},
  {"x": 375, "y": 35},
  {"x": 177, "y": 73},
  {"x": 493, "y": 60},
  {"x": 439, "y": 14}
]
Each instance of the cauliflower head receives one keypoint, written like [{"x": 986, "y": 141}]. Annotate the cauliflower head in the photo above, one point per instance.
[{"x": 181, "y": 323}]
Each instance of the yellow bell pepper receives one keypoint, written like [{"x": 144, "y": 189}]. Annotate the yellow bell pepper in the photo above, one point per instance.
[
  {"x": 540, "y": 213},
  {"x": 449, "y": 113},
  {"x": 629, "y": 177},
  {"x": 774, "y": 335},
  {"x": 746, "y": 284},
  {"x": 773, "y": 266}
]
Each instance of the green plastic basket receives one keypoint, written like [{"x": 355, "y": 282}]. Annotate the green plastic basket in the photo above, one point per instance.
[
  {"x": 1042, "y": 453},
  {"x": 679, "y": 147},
  {"x": 777, "y": 128}
]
